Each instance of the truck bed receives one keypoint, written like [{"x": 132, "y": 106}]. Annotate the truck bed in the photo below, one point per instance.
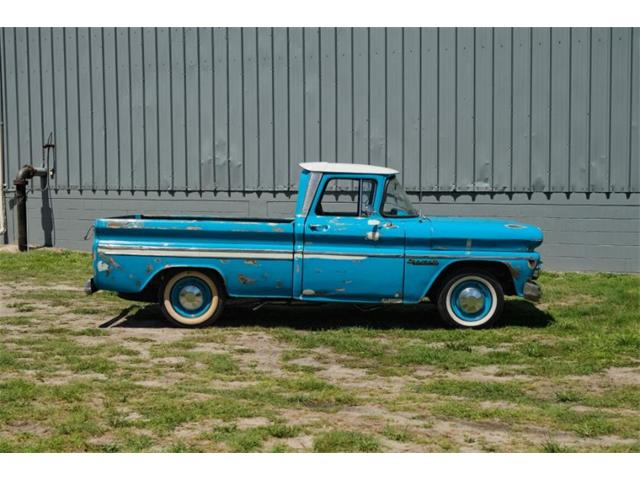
[{"x": 254, "y": 256}]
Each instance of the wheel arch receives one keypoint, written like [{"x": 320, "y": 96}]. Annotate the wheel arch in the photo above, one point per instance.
[
  {"x": 498, "y": 269},
  {"x": 150, "y": 290}
]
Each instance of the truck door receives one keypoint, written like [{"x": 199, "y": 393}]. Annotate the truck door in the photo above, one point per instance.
[{"x": 350, "y": 252}]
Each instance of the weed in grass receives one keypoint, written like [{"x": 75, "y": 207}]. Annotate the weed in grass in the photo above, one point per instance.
[
  {"x": 624, "y": 396},
  {"x": 459, "y": 346},
  {"x": 293, "y": 367},
  {"x": 220, "y": 363},
  {"x": 244, "y": 350},
  {"x": 278, "y": 447},
  {"x": 22, "y": 307},
  {"x": 553, "y": 447},
  {"x": 17, "y": 320},
  {"x": 502, "y": 391},
  {"x": 397, "y": 434},
  {"x": 567, "y": 396},
  {"x": 345, "y": 441},
  {"x": 93, "y": 364},
  {"x": 90, "y": 332},
  {"x": 279, "y": 430}
]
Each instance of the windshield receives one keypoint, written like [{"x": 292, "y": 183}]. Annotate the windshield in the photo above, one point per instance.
[{"x": 396, "y": 203}]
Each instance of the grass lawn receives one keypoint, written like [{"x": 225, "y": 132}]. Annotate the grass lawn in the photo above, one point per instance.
[{"x": 103, "y": 374}]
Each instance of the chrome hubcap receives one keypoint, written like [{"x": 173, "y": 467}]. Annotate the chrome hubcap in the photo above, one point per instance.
[
  {"x": 190, "y": 297},
  {"x": 471, "y": 300}
]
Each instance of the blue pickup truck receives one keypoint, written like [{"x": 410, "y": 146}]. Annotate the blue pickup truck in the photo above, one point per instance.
[{"x": 355, "y": 238}]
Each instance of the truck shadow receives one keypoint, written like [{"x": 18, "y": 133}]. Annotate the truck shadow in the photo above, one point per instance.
[{"x": 517, "y": 313}]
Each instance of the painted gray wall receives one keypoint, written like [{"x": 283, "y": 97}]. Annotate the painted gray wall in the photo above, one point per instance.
[{"x": 535, "y": 124}]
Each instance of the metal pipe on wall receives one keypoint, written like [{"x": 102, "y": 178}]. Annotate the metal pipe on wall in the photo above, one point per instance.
[
  {"x": 24, "y": 174},
  {"x": 3, "y": 217}
]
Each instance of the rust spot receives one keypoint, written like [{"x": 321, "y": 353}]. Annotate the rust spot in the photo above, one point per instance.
[
  {"x": 109, "y": 260},
  {"x": 250, "y": 261},
  {"x": 194, "y": 228},
  {"x": 278, "y": 229},
  {"x": 515, "y": 271},
  {"x": 149, "y": 268},
  {"x": 245, "y": 280}
]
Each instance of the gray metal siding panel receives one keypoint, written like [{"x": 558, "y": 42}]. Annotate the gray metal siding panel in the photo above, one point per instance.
[
  {"x": 447, "y": 101},
  {"x": 503, "y": 110},
  {"x": 560, "y": 116},
  {"x": 634, "y": 121}
]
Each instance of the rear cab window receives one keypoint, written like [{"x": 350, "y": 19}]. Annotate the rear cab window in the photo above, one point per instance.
[{"x": 347, "y": 197}]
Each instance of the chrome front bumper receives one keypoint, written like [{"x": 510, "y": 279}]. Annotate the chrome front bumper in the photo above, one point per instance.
[{"x": 532, "y": 291}]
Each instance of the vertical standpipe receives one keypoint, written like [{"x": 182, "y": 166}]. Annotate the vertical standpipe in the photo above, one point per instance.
[
  {"x": 3, "y": 223},
  {"x": 24, "y": 174}
]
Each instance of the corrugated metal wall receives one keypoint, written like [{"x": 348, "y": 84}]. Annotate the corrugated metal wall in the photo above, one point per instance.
[{"x": 172, "y": 109}]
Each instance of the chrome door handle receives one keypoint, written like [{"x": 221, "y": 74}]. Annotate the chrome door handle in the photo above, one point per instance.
[{"x": 319, "y": 227}]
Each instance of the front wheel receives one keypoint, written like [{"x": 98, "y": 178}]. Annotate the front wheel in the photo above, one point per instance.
[
  {"x": 191, "y": 299},
  {"x": 471, "y": 299}
]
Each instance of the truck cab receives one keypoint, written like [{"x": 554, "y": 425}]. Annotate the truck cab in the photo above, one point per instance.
[{"x": 355, "y": 237}]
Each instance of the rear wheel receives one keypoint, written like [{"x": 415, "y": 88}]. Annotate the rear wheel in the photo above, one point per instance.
[
  {"x": 191, "y": 299},
  {"x": 471, "y": 299}
]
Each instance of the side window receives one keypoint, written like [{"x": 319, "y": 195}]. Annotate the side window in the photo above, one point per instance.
[{"x": 345, "y": 197}]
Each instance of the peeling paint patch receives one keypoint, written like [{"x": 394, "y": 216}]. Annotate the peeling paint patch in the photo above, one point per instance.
[
  {"x": 101, "y": 266},
  {"x": 250, "y": 261},
  {"x": 308, "y": 291},
  {"x": 246, "y": 280},
  {"x": 109, "y": 260}
]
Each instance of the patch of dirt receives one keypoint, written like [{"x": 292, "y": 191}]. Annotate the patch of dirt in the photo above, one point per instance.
[
  {"x": 265, "y": 352},
  {"x": 486, "y": 373},
  {"x": 169, "y": 360},
  {"x": 64, "y": 377},
  {"x": 300, "y": 443},
  {"x": 616, "y": 376},
  {"x": 623, "y": 375},
  {"x": 193, "y": 430},
  {"x": 252, "y": 422},
  {"x": 570, "y": 301},
  {"x": 21, "y": 427}
]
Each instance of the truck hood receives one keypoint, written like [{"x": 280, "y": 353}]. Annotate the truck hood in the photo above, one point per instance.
[{"x": 469, "y": 233}]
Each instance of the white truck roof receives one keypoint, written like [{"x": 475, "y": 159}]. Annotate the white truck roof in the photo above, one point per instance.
[{"x": 326, "y": 167}]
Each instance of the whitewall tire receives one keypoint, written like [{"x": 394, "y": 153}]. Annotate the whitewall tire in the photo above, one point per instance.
[
  {"x": 190, "y": 298},
  {"x": 471, "y": 299}
]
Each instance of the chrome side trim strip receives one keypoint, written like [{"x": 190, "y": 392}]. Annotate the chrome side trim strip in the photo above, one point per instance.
[
  {"x": 467, "y": 257},
  {"x": 333, "y": 256},
  {"x": 196, "y": 253}
]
